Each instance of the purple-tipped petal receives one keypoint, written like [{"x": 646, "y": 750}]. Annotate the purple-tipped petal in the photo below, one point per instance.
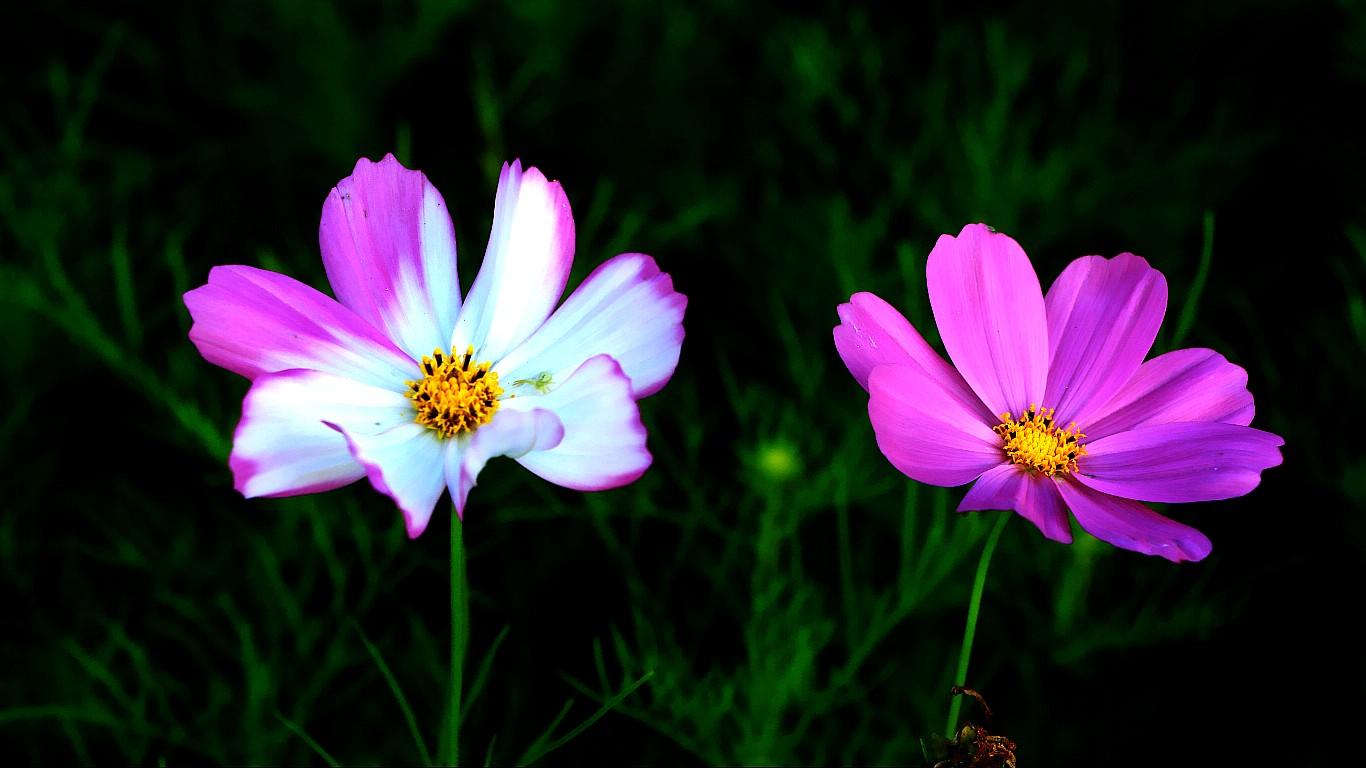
[
  {"x": 531, "y": 249},
  {"x": 1184, "y": 461},
  {"x": 627, "y": 309},
  {"x": 405, "y": 464},
  {"x": 1130, "y": 525},
  {"x": 1010, "y": 487},
  {"x": 283, "y": 448},
  {"x": 926, "y": 431},
  {"x": 990, "y": 312},
  {"x": 253, "y": 321},
  {"x": 873, "y": 333},
  {"x": 604, "y": 441},
  {"x": 389, "y": 250},
  {"x": 511, "y": 433},
  {"x": 1185, "y": 385},
  {"x": 1103, "y": 315}
]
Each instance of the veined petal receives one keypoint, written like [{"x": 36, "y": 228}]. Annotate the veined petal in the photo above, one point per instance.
[
  {"x": 925, "y": 431},
  {"x": 873, "y": 333},
  {"x": 627, "y": 309},
  {"x": 604, "y": 442},
  {"x": 511, "y": 433},
  {"x": 531, "y": 249},
  {"x": 1011, "y": 487},
  {"x": 990, "y": 312},
  {"x": 1130, "y": 525},
  {"x": 283, "y": 448},
  {"x": 1103, "y": 315},
  {"x": 1183, "y": 461},
  {"x": 253, "y": 321},
  {"x": 389, "y": 249},
  {"x": 403, "y": 463},
  {"x": 1185, "y": 385}
]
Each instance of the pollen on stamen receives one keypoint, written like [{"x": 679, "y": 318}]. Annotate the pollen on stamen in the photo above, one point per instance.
[
  {"x": 454, "y": 396},
  {"x": 1036, "y": 442}
]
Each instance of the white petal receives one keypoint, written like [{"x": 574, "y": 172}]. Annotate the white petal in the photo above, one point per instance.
[
  {"x": 511, "y": 433},
  {"x": 403, "y": 463},
  {"x": 531, "y": 249}
]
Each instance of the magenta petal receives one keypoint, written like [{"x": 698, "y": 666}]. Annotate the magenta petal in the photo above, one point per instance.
[
  {"x": 604, "y": 440},
  {"x": 873, "y": 333},
  {"x": 627, "y": 309},
  {"x": 283, "y": 448},
  {"x": 1009, "y": 487},
  {"x": 252, "y": 321},
  {"x": 1130, "y": 525},
  {"x": 531, "y": 248},
  {"x": 1184, "y": 461},
  {"x": 511, "y": 433},
  {"x": 990, "y": 312},
  {"x": 926, "y": 431},
  {"x": 403, "y": 463},
  {"x": 389, "y": 250},
  {"x": 1185, "y": 385},
  {"x": 1103, "y": 315}
]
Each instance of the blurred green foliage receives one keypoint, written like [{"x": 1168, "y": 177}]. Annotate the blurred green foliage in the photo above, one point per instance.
[{"x": 773, "y": 591}]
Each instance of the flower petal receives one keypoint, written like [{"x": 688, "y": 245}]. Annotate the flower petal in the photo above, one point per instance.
[
  {"x": 1103, "y": 315},
  {"x": 1183, "y": 461},
  {"x": 1011, "y": 487},
  {"x": 389, "y": 250},
  {"x": 990, "y": 312},
  {"x": 531, "y": 249},
  {"x": 253, "y": 321},
  {"x": 1185, "y": 385},
  {"x": 873, "y": 333},
  {"x": 511, "y": 433},
  {"x": 926, "y": 431},
  {"x": 403, "y": 463},
  {"x": 627, "y": 309},
  {"x": 1130, "y": 525},
  {"x": 604, "y": 441},
  {"x": 283, "y": 448}
]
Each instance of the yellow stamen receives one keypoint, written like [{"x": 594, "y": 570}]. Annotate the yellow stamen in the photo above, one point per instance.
[
  {"x": 1038, "y": 443},
  {"x": 454, "y": 396}
]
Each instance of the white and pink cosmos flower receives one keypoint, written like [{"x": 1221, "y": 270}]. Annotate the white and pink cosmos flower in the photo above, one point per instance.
[
  {"x": 1049, "y": 405},
  {"x": 401, "y": 381}
]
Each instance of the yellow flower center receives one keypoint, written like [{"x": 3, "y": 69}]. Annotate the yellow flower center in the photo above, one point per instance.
[
  {"x": 1038, "y": 443},
  {"x": 454, "y": 396}
]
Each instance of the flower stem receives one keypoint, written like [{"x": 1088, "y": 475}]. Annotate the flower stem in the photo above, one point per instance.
[
  {"x": 460, "y": 632},
  {"x": 979, "y": 583}
]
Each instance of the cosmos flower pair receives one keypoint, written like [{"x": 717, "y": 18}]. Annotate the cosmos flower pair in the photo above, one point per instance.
[{"x": 1050, "y": 408}]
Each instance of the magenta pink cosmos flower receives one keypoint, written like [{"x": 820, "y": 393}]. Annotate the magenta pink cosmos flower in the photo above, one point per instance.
[
  {"x": 1049, "y": 405},
  {"x": 399, "y": 381}
]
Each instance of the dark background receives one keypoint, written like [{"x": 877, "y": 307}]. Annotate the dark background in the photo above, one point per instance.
[{"x": 785, "y": 594}]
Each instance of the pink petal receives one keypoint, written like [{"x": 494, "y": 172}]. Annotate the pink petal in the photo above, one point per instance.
[
  {"x": 1183, "y": 461},
  {"x": 389, "y": 250},
  {"x": 926, "y": 431},
  {"x": 1185, "y": 385},
  {"x": 604, "y": 441},
  {"x": 531, "y": 249},
  {"x": 990, "y": 312},
  {"x": 1130, "y": 525},
  {"x": 252, "y": 321},
  {"x": 873, "y": 333},
  {"x": 627, "y": 309},
  {"x": 283, "y": 448},
  {"x": 1011, "y": 487},
  {"x": 403, "y": 463},
  {"x": 1103, "y": 315},
  {"x": 511, "y": 433}
]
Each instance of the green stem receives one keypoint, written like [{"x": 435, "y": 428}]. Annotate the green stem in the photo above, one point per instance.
[
  {"x": 460, "y": 632},
  {"x": 974, "y": 605}
]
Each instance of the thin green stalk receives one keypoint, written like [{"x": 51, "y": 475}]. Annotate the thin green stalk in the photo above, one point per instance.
[
  {"x": 460, "y": 633},
  {"x": 974, "y": 605}
]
